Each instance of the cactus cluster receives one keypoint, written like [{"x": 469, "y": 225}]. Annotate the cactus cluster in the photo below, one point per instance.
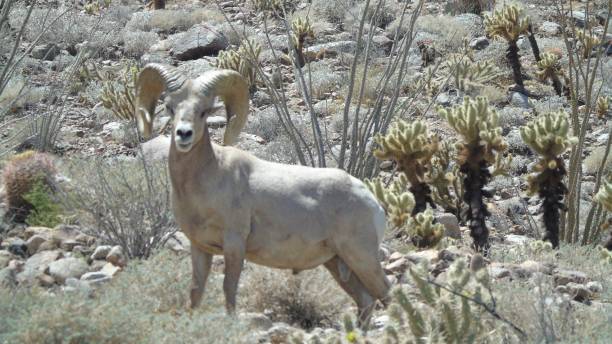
[
  {"x": 243, "y": 60},
  {"x": 603, "y": 105},
  {"x": 604, "y": 197},
  {"x": 481, "y": 147},
  {"x": 119, "y": 101},
  {"x": 467, "y": 74},
  {"x": 395, "y": 199},
  {"x": 275, "y": 6},
  {"x": 301, "y": 31},
  {"x": 445, "y": 179},
  {"x": 549, "y": 67},
  {"x": 588, "y": 42},
  {"x": 411, "y": 147},
  {"x": 549, "y": 136},
  {"x": 20, "y": 175},
  {"x": 509, "y": 23},
  {"x": 424, "y": 232}
]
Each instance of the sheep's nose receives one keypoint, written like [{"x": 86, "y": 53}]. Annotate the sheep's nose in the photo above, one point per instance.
[{"x": 184, "y": 134}]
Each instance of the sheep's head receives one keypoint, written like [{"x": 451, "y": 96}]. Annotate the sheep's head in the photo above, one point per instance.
[{"x": 189, "y": 102}]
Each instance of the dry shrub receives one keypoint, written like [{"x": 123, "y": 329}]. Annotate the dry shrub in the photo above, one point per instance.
[
  {"x": 136, "y": 43},
  {"x": 308, "y": 300},
  {"x": 450, "y": 31},
  {"x": 172, "y": 20},
  {"x": 594, "y": 160},
  {"x": 123, "y": 202},
  {"x": 322, "y": 80}
]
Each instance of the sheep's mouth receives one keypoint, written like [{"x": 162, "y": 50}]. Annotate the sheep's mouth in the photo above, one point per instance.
[{"x": 183, "y": 147}]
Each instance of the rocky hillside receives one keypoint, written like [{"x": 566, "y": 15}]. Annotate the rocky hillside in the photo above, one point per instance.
[{"x": 89, "y": 251}]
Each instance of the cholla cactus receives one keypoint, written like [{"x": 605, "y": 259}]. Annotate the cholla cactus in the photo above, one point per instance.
[
  {"x": 606, "y": 254},
  {"x": 549, "y": 136},
  {"x": 20, "y": 175},
  {"x": 301, "y": 30},
  {"x": 481, "y": 147},
  {"x": 549, "y": 67},
  {"x": 411, "y": 146},
  {"x": 445, "y": 179},
  {"x": 424, "y": 232},
  {"x": 439, "y": 315},
  {"x": 468, "y": 74},
  {"x": 587, "y": 42},
  {"x": 268, "y": 5},
  {"x": 120, "y": 102},
  {"x": 509, "y": 23},
  {"x": 244, "y": 61},
  {"x": 397, "y": 202},
  {"x": 604, "y": 197},
  {"x": 603, "y": 106}
]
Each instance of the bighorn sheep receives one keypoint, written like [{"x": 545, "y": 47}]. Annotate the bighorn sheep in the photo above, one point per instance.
[{"x": 230, "y": 203}]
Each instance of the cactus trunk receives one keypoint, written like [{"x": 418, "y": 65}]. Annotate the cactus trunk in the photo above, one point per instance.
[
  {"x": 534, "y": 44},
  {"x": 159, "y": 4},
  {"x": 558, "y": 86},
  {"x": 477, "y": 175},
  {"x": 551, "y": 191},
  {"x": 422, "y": 196},
  {"x": 513, "y": 58}
]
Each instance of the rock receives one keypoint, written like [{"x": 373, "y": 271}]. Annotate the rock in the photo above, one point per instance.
[
  {"x": 5, "y": 258},
  {"x": 195, "y": 68},
  {"x": 37, "y": 264},
  {"x": 579, "y": 18},
  {"x": 31, "y": 231},
  {"x": 451, "y": 225},
  {"x": 261, "y": 98},
  {"x": 156, "y": 56},
  {"x": 116, "y": 130},
  {"x": 66, "y": 233},
  {"x": 17, "y": 247},
  {"x": 333, "y": 48},
  {"x": 595, "y": 287},
  {"x": 197, "y": 42},
  {"x": 498, "y": 271},
  {"x": 178, "y": 242},
  {"x": 563, "y": 277},
  {"x": 515, "y": 239},
  {"x": 110, "y": 269},
  {"x": 383, "y": 43},
  {"x": 451, "y": 253},
  {"x": 431, "y": 256},
  {"x": 100, "y": 252},
  {"x": 578, "y": 292},
  {"x": 216, "y": 121},
  {"x": 513, "y": 206},
  {"x": 519, "y": 100},
  {"x": 8, "y": 278},
  {"x": 257, "y": 321},
  {"x": 279, "y": 333},
  {"x": 67, "y": 267},
  {"x": 479, "y": 43},
  {"x": 69, "y": 245},
  {"x": 45, "y": 280},
  {"x": 156, "y": 148},
  {"x": 395, "y": 256},
  {"x": 45, "y": 52},
  {"x": 96, "y": 278},
  {"x": 533, "y": 267},
  {"x": 550, "y": 28},
  {"x": 397, "y": 266},
  {"x": 34, "y": 243},
  {"x": 381, "y": 321},
  {"x": 116, "y": 256}
]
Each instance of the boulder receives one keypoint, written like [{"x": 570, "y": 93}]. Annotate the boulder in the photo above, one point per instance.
[
  {"x": 199, "y": 41},
  {"x": 65, "y": 268},
  {"x": 37, "y": 264},
  {"x": 116, "y": 256},
  {"x": 100, "y": 252}
]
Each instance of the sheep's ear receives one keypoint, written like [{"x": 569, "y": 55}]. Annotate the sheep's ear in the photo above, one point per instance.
[
  {"x": 153, "y": 80},
  {"x": 231, "y": 87}
]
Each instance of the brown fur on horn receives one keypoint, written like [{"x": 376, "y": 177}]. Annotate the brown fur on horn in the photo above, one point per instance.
[
  {"x": 231, "y": 87},
  {"x": 154, "y": 79}
]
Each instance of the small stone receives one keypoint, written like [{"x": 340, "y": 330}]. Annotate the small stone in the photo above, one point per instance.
[
  {"x": 34, "y": 243},
  {"x": 430, "y": 256},
  {"x": 257, "y": 321},
  {"x": 533, "y": 267},
  {"x": 395, "y": 256},
  {"x": 69, "y": 245},
  {"x": 451, "y": 225},
  {"x": 498, "y": 271},
  {"x": 31, "y": 231},
  {"x": 67, "y": 267},
  {"x": 279, "y": 333},
  {"x": 116, "y": 256},
  {"x": 579, "y": 292},
  {"x": 46, "y": 52},
  {"x": 17, "y": 247},
  {"x": 100, "y": 252},
  {"x": 397, "y": 266},
  {"x": 479, "y": 43},
  {"x": 519, "y": 100},
  {"x": 550, "y": 28},
  {"x": 197, "y": 42},
  {"x": 45, "y": 280}
]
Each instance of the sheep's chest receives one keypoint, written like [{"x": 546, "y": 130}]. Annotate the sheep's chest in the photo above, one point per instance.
[{"x": 202, "y": 226}]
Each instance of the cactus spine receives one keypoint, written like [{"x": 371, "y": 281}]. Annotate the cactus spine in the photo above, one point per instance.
[
  {"x": 480, "y": 148},
  {"x": 549, "y": 136}
]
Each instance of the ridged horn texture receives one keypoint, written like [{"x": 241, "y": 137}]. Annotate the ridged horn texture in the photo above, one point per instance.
[
  {"x": 154, "y": 79},
  {"x": 231, "y": 87}
]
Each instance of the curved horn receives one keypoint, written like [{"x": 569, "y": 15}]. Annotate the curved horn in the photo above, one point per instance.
[
  {"x": 152, "y": 81},
  {"x": 231, "y": 87}
]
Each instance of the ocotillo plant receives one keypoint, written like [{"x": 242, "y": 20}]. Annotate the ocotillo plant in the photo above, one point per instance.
[
  {"x": 509, "y": 23},
  {"x": 548, "y": 135},
  {"x": 550, "y": 68},
  {"x": 604, "y": 197},
  {"x": 411, "y": 147},
  {"x": 481, "y": 147}
]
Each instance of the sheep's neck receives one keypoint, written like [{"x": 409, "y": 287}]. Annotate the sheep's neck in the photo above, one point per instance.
[{"x": 187, "y": 166}]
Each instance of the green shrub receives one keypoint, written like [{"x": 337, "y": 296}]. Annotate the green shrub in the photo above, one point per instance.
[{"x": 45, "y": 211}]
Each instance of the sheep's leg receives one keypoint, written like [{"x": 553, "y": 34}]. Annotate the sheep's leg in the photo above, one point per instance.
[
  {"x": 233, "y": 254},
  {"x": 200, "y": 263},
  {"x": 364, "y": 262},
  {"x": 356, "y": 290}
]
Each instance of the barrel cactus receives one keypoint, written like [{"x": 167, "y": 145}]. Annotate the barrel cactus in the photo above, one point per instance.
[{"x": 20, "y": 175}]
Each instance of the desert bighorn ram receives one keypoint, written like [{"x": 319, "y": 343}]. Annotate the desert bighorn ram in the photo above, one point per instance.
[{"x": 230, "y": 203}]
